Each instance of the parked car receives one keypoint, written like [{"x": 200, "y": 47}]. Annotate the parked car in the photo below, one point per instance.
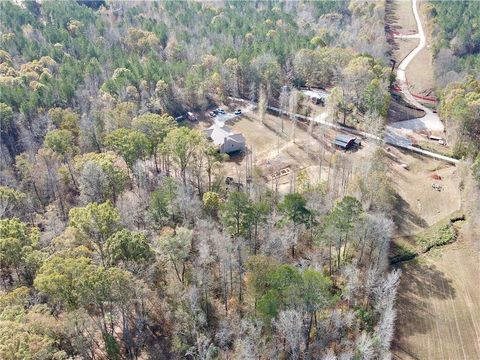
[
  {"x": 238, "y": 112},
  {"x": 221, "y": 111},
  {"x": 191, "y": 116},
  {"x": 212, "y": 114}
]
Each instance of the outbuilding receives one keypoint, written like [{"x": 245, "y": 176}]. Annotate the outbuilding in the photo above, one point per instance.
[
  {"x": 226, "y": 140},
  {"x": 345, "y": 142}
]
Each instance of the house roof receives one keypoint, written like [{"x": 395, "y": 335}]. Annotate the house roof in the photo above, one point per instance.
[
  {"x": 238, "y": 138},
  {"x": 218, "y": 134}
]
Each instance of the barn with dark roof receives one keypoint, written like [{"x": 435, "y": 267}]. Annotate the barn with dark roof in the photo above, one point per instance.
[{"x": 345, "y": 142}]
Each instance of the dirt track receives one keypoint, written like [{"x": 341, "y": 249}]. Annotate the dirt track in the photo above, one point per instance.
[
  {"x": 420, "y": 55},
  {"x": 439, "y": 297}
]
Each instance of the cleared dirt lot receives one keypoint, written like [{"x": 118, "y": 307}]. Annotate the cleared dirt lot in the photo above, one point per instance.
[
  {"x": 274, "y": 149},
  {"x": 420, "y": 205}
]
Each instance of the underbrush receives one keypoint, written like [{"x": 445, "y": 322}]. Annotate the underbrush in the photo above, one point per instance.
[
  {"x": 437, "y": 148},
  {"x": 442, "y": 236},
  {"x": 442, "y": 233},
  {"x": 402, "y": 252}
]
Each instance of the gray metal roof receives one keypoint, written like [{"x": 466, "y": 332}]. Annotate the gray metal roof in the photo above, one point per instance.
[
  {"x": 340, "y": 144},
  {"x": 218, "y": 134},
  {"x": 344, "y": 138}
]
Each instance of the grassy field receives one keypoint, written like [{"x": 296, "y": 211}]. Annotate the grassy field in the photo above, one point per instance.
[
  {"x": 438, "y": 302},
  {"x": 439, "y": 295}
]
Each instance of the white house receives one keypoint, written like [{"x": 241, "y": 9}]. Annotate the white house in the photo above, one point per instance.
[{"x": 225, "y": 139}]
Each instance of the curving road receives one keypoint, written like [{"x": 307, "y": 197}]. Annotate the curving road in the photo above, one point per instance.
[{"x": 430, "y": 121}]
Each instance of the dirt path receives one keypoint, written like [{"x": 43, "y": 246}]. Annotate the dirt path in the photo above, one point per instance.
[{"x": 430, "y": 121}]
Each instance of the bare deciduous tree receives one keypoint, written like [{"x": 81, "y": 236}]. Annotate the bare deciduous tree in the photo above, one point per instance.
[{"x": 290, "y": 326}]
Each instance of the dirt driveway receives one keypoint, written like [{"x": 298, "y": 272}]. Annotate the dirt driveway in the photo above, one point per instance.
[{"x": 272, "y": 147}]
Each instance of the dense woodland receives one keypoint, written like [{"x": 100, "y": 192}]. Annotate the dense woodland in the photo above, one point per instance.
[
  {"x": 118, "y": 236},
  {"x": 455, "y": 27}
]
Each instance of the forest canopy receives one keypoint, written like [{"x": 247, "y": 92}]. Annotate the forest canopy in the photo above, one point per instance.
[{"x": 120, "y": 236}]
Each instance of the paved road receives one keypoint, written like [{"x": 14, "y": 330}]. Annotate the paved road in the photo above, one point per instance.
[{"x": 430, "y": 121}]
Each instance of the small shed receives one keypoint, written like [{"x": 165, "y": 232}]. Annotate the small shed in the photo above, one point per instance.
[
  {"x": 225, "y": 139},
  {"x": 345, "y": 142}
]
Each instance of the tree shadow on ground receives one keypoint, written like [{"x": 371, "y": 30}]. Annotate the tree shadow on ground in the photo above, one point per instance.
[
  {"x": 404, "y": 216},
  {"x": 237, "y": 157},
  {"x": 419, "y": 285},
  {"x": 391, "y": 25}
]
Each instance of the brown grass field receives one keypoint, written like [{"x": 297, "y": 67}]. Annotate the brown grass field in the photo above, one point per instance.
[
  {"x": 438, "y": 303},
  {"x": 420, "y": 205},
  {"x": 439, "y": 295}
]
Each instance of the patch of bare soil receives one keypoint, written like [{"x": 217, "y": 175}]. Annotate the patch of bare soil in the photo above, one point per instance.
[
  {"x": 274, "y": 147},
  {"x": 402, "y": 48},
  {"x": 438, "y": 305},
  {"x": 420, "y": 72},
  {"x": 420, "y": 204}
]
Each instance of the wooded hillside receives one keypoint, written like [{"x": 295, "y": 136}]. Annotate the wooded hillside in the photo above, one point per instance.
[{"x": 119, "y": 237}]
